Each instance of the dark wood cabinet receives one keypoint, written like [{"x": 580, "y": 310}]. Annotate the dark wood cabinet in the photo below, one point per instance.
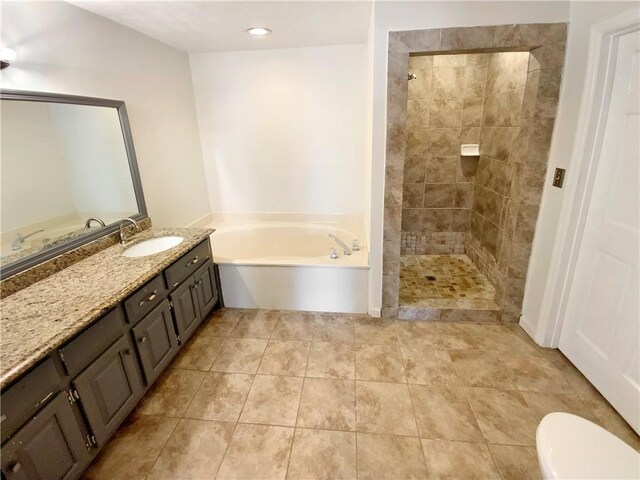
[
  {"x": 57, "y": 416},
  {"x": 187, "y": 265},
  {"x": 51, "y": 446},
  {"x": 109, "y": 388},
  {"x": 194, "y": 299},
  {"x": 28, "y": 395},
  {"x": 206, "y": 288},
  {"x": 145, "y": 299},
  {"x": 185, "y": 308},
  {"x": 156, "y": 341}
]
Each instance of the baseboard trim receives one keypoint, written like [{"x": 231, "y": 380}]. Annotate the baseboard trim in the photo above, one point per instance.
[{"x": 528, "y": 327}]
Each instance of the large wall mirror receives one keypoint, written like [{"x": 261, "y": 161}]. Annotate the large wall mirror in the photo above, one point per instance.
[{"x": 68, "y": 175}]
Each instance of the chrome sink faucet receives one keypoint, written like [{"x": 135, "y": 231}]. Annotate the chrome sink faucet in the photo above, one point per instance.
[
  {"x": 19, "y": 240},
  {"x": 123, "y": 222}
]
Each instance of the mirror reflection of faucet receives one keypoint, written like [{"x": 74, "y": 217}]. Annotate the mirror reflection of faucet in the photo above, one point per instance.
[
  {"x": 87, "y": 224},
  {"x": 19, "y": 240}
]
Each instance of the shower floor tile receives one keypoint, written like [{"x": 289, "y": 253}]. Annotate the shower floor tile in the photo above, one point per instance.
[{"x": 444, "y": 281}]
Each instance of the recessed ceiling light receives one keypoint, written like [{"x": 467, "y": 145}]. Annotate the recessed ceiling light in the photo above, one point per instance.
[{"x": 258, "y": 31}]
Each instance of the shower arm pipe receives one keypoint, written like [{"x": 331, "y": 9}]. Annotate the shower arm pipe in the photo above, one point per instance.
[{"x": 345, "y": 249}]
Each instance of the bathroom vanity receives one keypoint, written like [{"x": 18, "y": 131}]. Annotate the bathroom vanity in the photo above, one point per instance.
[
  {"x": 81, "y": 347},
  {"x": 95, "y": 302}
]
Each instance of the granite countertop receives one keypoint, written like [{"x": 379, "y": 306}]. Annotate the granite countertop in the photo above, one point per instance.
[{"x": 45, "y": 315}]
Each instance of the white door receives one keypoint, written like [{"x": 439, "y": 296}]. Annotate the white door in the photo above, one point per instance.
[{"x": 601, "y": 329}]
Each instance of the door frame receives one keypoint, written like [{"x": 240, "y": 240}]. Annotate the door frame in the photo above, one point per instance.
[{"x": 594, "y": 108}]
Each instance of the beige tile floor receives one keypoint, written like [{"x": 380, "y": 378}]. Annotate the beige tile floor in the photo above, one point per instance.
[
  {"x": 458, "y": 283},
  {"x": 265, "y": 394}
]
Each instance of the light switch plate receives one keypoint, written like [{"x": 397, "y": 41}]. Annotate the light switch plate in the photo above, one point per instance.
[{"x": 558, "y": 177}]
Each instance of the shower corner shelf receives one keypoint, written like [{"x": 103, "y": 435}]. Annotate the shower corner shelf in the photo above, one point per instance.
[{"x": 470, "y": 150}]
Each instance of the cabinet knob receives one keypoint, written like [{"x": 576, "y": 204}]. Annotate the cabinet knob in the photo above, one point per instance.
[
  {"x": 14, "y": 467},
  {"x": 127, "y": 351},
  {"x": 142, "y": 339}
]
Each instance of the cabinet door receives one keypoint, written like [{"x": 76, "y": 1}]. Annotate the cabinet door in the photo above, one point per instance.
[
  {"x": 206, "y": 288},
  {"x": 109, "y": 388},
  {"x": 156, "y": 341},
  {"x": 185, "y": 308},
  {"x": 50, "y": 447}
]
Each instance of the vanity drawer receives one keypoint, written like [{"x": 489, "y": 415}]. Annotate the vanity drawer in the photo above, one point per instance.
[
  {"x": 187, "y": 264},
  {"x": 145, "y": 299},
  {"x": 23, "y": 399},
  {"x": 90, "y": 344}
]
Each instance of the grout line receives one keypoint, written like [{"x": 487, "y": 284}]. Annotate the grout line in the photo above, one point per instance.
[
  {"x": 235, "y": 427},
  {"x": 164, "y": 444},
  {"x": 413, "y": 409},
  {"x": 226, "y": 448},
  {"x": 297, "y": 413},
  {"x": 397, "y": 344}
]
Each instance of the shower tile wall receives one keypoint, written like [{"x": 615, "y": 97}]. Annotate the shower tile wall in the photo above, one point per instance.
[
  {"x": 444, "y": 110},
  {"x": 501, "y": 118},
  {"x": 498, "y": 190},
  {"x": 454, "y": 204}
]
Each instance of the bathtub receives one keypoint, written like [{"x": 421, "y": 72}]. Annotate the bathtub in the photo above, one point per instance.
[{"x": 286, "y": 266}]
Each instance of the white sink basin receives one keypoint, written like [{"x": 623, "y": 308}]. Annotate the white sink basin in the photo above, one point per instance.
[{"x": 151, "y": 246}]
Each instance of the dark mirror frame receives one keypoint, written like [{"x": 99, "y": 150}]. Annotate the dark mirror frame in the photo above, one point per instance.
[{"x": 37, "y": 258}]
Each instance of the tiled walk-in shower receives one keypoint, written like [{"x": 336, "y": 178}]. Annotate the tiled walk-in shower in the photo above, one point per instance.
[
  {"x": 493, "y": 86},
  {"x": 457, "y": 209}
]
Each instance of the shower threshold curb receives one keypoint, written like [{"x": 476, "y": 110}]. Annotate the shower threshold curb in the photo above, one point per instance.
[{"x": 427, "y": 314}]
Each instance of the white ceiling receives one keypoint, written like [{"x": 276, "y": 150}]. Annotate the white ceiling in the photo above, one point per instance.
[{"x": 215, "y": 26}]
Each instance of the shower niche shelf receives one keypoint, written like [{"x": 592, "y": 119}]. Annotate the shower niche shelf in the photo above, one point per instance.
[{"x": 470, "y": 150}]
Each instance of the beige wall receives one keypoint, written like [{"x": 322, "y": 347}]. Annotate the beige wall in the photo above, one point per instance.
[
  {"x": 540, "y": 309},
  {"x": 283, "y": 130},
  {"x": 65, "y": 49}
]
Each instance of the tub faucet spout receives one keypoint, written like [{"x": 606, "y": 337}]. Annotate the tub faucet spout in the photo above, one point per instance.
[
  {"x": 19, "y": 240},
  {"x": 345, "y": 249}
]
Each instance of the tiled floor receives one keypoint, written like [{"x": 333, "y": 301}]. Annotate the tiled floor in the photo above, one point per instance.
[
  {"x": 263, "y": 394},
  {"x": 444, "y": 281}
]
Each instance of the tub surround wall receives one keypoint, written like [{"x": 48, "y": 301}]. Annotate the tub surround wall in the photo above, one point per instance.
[
  {"x": 546, "y": 42},
  {"x": 443, "y": 111},
  {"x": 283, "y": 130}
]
